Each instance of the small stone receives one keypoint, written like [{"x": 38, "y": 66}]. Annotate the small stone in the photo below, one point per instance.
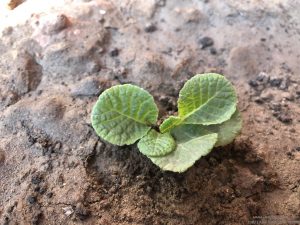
[
  {"x": 42, "y": 191},
  {"x": 12, "y": 4},
  {"x": 81, "y": 212},
  {"x": 284, "y": 118},
  {"x": 287, "y": 96},
  {"x": 49, "y": 195},
  {"x": 31, "y": 199},
  {"x": 206, "y": 42},
  {"x": 258, "y": 100},
  {"x": 213, "y": 51},
  {"x": 263, "y": 78},
  {"x": 253, "y": 83},
  {"x": 298, "y": 149},
  {"x": 114, "y": 52},
  {"x": 285, "y": 84},
  {"x": 266, "y": 96},
  {"x": 275, "y": 82},
  {"x": 68, "y": 210},
  {"x": 290, "y": 155},
  {"x": 36, "y": 179},
  {"x": 149, "y": 28},
  {"x": 36, "y": 189}
]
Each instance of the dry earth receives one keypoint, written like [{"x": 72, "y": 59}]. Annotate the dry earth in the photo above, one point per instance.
[{"x": 55, "y": 59}]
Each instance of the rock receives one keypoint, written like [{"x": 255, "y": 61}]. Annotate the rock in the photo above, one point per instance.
[
  {"x": 31, "y": 199},
  {"x": 287, "y": 96},
  {"x": 253, "y": 83},
  {"x": 12, "y": 4},
  {"x": 213, "y": 51},
  {"x": 206, "y": 42},
  {"x": 36, "y": 179},
  {"x": 114, "y": 52},
  {"x": 68, "y": 210},
  {"x": 53, "y": 24},
  {"x": 258, "y": 100},
  {"x": 149, "y": 28},
  {"x": 81, "y": 212},
  {"x": 27, "y": 73},
  {"x": 89, "y": 86},
  {"x": 263, "y": 78},
  {"x": 275, "y": 82},
  {"x": 266, "y": 95},
  {"x": 285, "y": 84}
]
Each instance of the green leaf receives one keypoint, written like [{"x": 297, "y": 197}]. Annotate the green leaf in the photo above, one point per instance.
[
  {"x": 206, "y": 99},
  {"x": 226, "y": 131},
  {"x": 123, "y": 114},
  {"x": 186, "y": 153},
  {"x": 186, "y": 132},
  {"x": 156, "y": 144},
  {"x": 170, "y": 122}
]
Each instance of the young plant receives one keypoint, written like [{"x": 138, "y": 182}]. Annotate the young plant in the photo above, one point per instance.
[{"x": 207, "y": 117}]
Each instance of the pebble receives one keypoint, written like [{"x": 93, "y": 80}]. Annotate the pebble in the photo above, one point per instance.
[
  {"x": 284, "y": 118},
  {"x": 275, "y": 82},
  {"x": 36, "y": 180},
  {"x": 31, "y": 199},
  {"x": 114, "y": 52},
  {"x": 266, "y": 96},
  {"x": 149, "y": 28},
  {"x": 253, "y": 83},
  {"x": 206, "y": 42},
  {"x": 262, "y": 77},
  {"x": 213, "y": 51},
  {"x": 81, "y": 212},
  {"x": 288, "y": 96},
  {"x": 258, "y": 100}
]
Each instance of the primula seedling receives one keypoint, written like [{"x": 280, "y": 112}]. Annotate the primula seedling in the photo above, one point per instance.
[{"x": 207, "y": 117}]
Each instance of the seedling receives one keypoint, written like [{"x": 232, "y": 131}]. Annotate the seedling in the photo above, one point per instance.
[{"x": 207, "y": 117}]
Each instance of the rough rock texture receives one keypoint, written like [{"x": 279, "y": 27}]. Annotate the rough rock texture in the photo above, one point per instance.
[{"x": 57, "y": 56}]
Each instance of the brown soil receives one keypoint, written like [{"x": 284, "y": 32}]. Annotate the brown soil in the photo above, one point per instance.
[{"x": 55, "y": 59}]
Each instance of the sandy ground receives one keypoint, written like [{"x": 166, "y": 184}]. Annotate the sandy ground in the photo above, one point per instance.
[{"x": 56, "y": 58}]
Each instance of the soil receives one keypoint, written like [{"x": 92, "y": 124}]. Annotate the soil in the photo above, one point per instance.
[{"x": 56, "y": 57}]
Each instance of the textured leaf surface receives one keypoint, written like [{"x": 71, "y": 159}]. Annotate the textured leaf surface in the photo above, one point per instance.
[
  {"x": 186, "y": 153},
  {"x": 187, "y": 132},
  {"x": 123, "y": 114},
  {"x": 206, "y": 99},
  {"x": 169, "y": 123},
  {"x": 156, "y": 144},
  {"x": 226, "y": 131}
]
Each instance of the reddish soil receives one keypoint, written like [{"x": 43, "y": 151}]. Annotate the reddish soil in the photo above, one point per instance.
[{"x": 56, "y": 58}]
